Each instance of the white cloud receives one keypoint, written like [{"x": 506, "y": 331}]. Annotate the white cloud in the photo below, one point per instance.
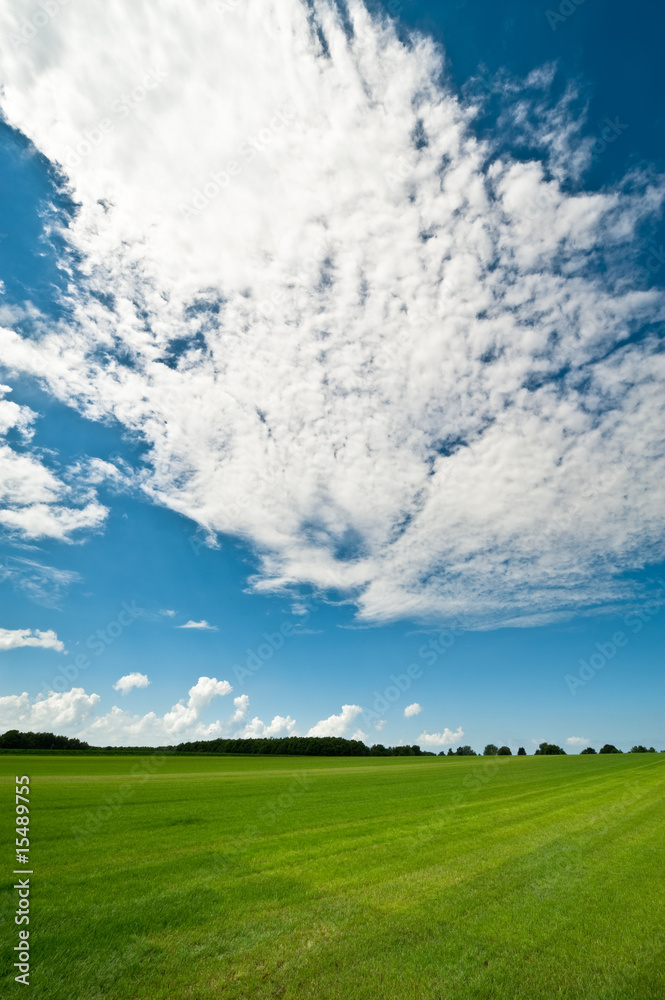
[
  {"x": 280, "y": 726},
  {"x": 242, "y": 705},
  {"x": 72, "y": 714},
  {"x": 354, "y": 302},
  {"x": 201, "y": 625},
  {"x": 577, "y": 741},
  {"x": 410, "y": 710},
  {"x": 380, "y": 724},
  {"x": 17, "y": 637},
  {"x": 167, "y": 612},
  {"x": 36, "y": 501},
  {"x": 68, "y": 710},
  {"x": 336, "y": 725},
  {"x": 129, "y": 681},
  {"x": 443, "y": 739}
]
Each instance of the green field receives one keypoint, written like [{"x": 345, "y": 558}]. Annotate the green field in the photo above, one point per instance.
[{"x": 402, "y": 877}]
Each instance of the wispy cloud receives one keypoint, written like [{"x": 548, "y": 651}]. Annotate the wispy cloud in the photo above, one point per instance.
[
  {"x": 45, "y": 585},
  {"x": 391, "y": 293}
]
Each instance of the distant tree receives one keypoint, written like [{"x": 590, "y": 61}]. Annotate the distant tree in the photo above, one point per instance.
[
  {"x": 609, "y": 748},
  {"x": 490, "y": 750},
  {"x": 549, "y": 749},
  {"x": 14, "y": 740},
  {"x": 651, "y": 750},
  {"x": 638, "y": 749},
  {"x": 450, "y": 752},
  {"x": 466, "y": 751},
  {"x": 505, "y": 752},
  {"x": 588, "y": 750},
  {"x": 521, "y": 752}
]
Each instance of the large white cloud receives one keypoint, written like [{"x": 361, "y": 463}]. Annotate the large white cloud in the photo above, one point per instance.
[
  {"x": 14, "y": 638},
  {"x": 66, "y": 711},
  {"x": 442, "y": 739},
  {"x": 349, "y": 331},
  {"x": 337, "y": 725},
  {"x": 280, "y": 726}
]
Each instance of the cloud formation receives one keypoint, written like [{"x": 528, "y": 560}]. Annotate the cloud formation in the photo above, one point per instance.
[
  {"x": 203, "y": 624},
  {"x": 337, "y": 725},
  {"x": 410, "y": 710},
  {"x": 125, "y": 684},
  {"x": 38, "y": 502},
  {"x": 443, "y": 739},
  {"x": 60, "y": 712},
  {"x": 242, "y": 706},
  {"x": 71, "y": 713},
  {"x": 577, "y": 741},
  {"x": 45, "y": 585},
  {"x": 400, "y": 360},
  {"x": 17, "y": 637},
  {"x": 280, "y": 726}
]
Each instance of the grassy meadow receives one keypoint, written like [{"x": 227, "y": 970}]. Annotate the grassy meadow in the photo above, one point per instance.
[{"x": 400, "y": 878}]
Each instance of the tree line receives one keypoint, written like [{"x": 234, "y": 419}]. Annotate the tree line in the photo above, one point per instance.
[{"x": 302, "y": 746}]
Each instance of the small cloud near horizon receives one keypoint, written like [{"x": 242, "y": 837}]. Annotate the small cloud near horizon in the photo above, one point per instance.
[{"x": 203, "y": 624}]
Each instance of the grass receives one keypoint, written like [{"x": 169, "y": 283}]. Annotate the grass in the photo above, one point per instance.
[{"x": 324, "y": 878}]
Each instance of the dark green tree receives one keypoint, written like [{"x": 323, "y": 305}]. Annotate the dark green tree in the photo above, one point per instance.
[
  {"x": 588, "y": 750},
  {"x": 505, "y": 752},
  {"x": 638, "y": 749},
  {"x": 549, "y": 749},
  {"x": 490, "y": 750},
  {"x": 466, "y": 751},
  {"x": 521, "y": 752},
  {"x": 609, "y": 748}
]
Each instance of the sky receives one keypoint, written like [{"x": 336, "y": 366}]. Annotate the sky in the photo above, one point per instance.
[{"x": 331, "y": 355}]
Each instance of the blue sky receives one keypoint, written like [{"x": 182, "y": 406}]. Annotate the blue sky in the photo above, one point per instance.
[{"x": 365, "y": 373}]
